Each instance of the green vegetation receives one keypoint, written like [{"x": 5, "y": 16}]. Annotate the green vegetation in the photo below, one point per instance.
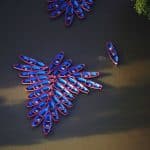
[{"x": 142, "y": 7}]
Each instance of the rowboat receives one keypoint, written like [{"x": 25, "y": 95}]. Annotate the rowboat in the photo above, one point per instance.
[{"x": 112, "y": 52}]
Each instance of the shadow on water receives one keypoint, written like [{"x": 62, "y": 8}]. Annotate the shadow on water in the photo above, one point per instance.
[{"x": 113, "y": 110}]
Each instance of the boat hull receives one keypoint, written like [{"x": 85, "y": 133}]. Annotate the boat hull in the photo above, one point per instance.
[{"x": 112, "y": 53}]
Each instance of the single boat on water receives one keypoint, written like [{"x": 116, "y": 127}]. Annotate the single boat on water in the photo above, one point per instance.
[{"x": 112, "y": 52}]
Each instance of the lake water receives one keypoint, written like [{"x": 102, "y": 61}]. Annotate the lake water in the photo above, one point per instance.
[{"x": 115, "y": 118}]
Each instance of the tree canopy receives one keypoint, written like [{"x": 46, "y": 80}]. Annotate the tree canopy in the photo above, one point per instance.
[{"x": 142, "y": 7}]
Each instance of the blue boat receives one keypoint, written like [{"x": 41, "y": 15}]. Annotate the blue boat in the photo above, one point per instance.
[{"x": 112, "y": 52}]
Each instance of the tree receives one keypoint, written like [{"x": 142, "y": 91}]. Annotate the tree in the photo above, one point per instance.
[{"x": 142, "y": 7}]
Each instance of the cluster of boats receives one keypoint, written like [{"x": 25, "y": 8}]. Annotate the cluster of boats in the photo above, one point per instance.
[
  {"x": 70, "y": 8},
  {"x": 53, "y": 88}
]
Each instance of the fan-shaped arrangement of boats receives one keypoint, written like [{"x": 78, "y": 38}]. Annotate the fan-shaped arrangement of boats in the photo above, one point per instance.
[
  {"x": 70, "y": 8},
  {"x": 53, "y": 88}
]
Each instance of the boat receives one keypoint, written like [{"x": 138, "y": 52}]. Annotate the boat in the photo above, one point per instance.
[{"x": 112, "y": 52}]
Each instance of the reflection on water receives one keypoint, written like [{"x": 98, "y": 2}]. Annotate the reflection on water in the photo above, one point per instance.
[
  {"x": 138, "y": 138},
  {"x": 134, "y": 74},
  {"x": 13, "y": 95},
  {"x": 106, "y": 114}
]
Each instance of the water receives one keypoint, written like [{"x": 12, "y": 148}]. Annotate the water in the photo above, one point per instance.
[{"x": 118, "y": 114}]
